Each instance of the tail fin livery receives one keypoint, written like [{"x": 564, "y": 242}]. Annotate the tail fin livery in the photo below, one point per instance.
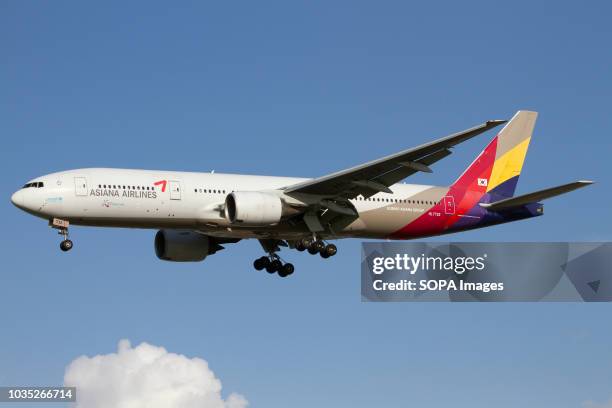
[
  {"x": 496, "y": 170},
  {"x": 512, "y": 144}
]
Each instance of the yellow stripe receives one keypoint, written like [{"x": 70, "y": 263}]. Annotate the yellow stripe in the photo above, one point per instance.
[{"x": 509, "y": 165}]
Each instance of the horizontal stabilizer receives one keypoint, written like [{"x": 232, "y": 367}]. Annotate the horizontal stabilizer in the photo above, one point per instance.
[{"x": 535, "y": 196}]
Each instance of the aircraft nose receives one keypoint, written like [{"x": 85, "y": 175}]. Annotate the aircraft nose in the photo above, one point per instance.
[{"x": 17, "y": 199}]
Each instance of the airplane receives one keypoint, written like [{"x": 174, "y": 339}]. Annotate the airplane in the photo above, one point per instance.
[{"x": 197, "y": 213}]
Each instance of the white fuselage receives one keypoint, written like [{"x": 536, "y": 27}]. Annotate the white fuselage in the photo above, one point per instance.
[{"x": 189, "y": 200}]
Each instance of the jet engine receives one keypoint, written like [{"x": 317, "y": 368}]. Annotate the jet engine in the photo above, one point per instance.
[
  {"x": 181, "y": 246},
  {"x": 254, "y": 208}
]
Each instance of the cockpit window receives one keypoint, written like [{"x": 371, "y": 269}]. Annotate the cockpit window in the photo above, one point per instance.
[{"x": 38, "y": 184}]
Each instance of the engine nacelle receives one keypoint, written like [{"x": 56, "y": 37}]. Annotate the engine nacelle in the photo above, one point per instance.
[
  {"x": 181, "y": 246},
  {"x": 253, "y": 208}
]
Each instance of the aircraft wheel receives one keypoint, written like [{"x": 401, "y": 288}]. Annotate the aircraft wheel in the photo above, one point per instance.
[
  {"x": 306, "y": 242},
  {"x": 286, "y": 270},
  {"x": 274, "y": 266},
  {"x": 312, "y": 250},
  {"x": 330, "y": 250},
  {"x": 299, "y": 245},
  {"x": 318, "y": 245},
  {"x": 66, "y": 245},
  {"x": 324, "y": 255},
  {"x": 260, "y": 263}
]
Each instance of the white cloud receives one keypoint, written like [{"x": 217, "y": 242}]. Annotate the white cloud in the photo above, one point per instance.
[{"x": 146, "y": 376}]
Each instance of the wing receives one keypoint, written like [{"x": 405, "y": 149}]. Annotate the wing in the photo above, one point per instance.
[{"x": 376, "y": 176}]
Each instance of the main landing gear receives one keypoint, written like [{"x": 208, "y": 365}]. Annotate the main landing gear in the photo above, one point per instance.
[
  {"x": 273, "y": 263},
  {"x": 62, "y": 229},
  {"x": 316, "y": 246}
]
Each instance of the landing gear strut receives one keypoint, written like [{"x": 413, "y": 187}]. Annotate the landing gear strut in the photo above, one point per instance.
[{"x": 62, "y": 229}]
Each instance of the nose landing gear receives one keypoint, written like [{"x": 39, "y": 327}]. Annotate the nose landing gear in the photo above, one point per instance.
[{"x": 62, "y": 229}]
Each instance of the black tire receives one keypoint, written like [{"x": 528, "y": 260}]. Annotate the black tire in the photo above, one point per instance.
[
  {"x": 300, "y": 246},
  {"x": 265, "y": 261},
  {"x": 275, "y": 266},
  {"x": 66, "y": 245},
  {"x": 331, "y": 250},
  {"x": 270, "y": 268},
  {"x": 259, "y": 263},
  {"x": 312, "y": 250},
  {"x": 324, "y": 255},
  {"x": 306, "y": 242},
  {"x": 318, "y": 246},
  {"x": 286, "y": 270}
]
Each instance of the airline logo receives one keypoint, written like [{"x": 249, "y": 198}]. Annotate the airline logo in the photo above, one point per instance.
[
  {"x": 161, "y": 183},
  {"x": 118, "y": 192},
  {"x": 482, "y": 182}
]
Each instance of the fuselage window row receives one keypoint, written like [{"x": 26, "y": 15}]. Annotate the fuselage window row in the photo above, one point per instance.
[
  {"x": 125, "y": 187},
  {"x": 209, "y": 191},
  {"x": 397, "y": 200}
]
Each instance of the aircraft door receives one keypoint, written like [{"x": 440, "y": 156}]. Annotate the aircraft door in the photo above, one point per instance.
[
  {"x": 80, "y": 186},
  {"x": 449, "y": 205},
  {"x": 175, "y": 190}
]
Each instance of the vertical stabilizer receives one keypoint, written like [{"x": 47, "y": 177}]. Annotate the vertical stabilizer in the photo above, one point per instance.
[
  {"x": 512, "y": 144},
  {"x": 496, "y": 170}
]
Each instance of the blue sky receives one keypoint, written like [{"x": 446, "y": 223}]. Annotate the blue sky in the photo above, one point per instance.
[{"x": 300, "y": 89}]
